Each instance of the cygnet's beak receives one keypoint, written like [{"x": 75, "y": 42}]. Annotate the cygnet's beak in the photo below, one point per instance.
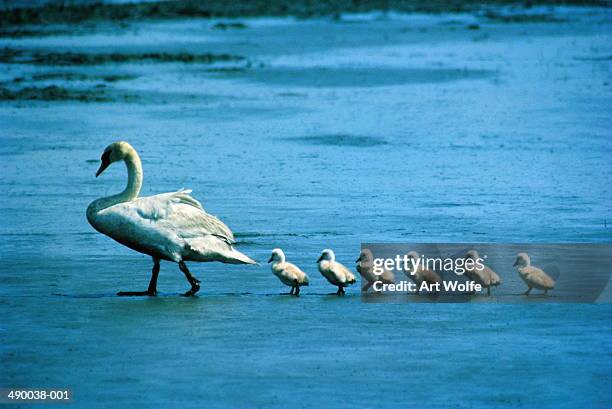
[
  {"x": 271, "y": 258},
  {"x": 358, "y": 260},
  {"x": 515, "y": 263},
  {"x": 320, "y": 258}
]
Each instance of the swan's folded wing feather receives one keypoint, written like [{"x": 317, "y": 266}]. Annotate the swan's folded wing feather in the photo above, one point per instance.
[{"x": 181, "y": 213}]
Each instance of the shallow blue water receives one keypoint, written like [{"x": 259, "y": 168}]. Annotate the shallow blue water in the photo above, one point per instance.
[{"x": 406, "y": 129}]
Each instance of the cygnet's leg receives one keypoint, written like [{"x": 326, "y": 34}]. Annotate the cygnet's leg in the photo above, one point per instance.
[
  {"x": 292, "y": 289},
  {"x": 152, "y": 290},
  {"x": 195, "y": 283},
  {"x": 546, "y": 291},
  {"x": 527, "y": 292},
  {"x": 489, "y": 291}
]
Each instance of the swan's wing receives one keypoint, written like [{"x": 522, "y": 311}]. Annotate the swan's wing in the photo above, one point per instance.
[
  {"x": 169, "y": 225},
  {"x": 182, "y": 213}
]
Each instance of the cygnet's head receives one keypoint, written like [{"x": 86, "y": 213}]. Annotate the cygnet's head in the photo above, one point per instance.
[
  {"x": 365, "y": 256},
  {"x": 114, "y": 152},
  {"x": 472, "y": 254},
  {"x": 327, "y": 255},
  {"x": 413, "y": 254},
  {"x": 277, "y": 256},
  {"x": 522, "y": 260}
]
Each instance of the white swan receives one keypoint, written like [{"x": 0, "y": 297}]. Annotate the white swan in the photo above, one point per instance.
[
  {"x": 288, "y": 273},
  {"x": 532, "y": 276},
  {"x": 364, "y": 266},
  {"x": 335, "y": 272},
  {"x": 169, "y": 226},
  {"x": 421, "y": 274},
  {"x": 485, "y": 276}
]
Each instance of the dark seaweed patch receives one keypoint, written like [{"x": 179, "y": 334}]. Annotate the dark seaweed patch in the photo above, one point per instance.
[
  {"x": 595, "y": 58},
  {"x": 522, "y": 17},
  {"x": 71, "y": 76},
  {"x": 53, "y": 93},
  {"x": 20, "y": 33},
  {"x": 360, "y": 76},
  {"x": 226, "y": 70},
  {"x": 14, "y": 56},
  {"x": 65, "y": 12},
  {"x": 340, "y": 140},
  {"x": 228, "y": 26}
]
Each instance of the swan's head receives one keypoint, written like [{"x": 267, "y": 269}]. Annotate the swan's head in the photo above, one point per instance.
[
  {"x": 472, "y": 254},
  {"x": 277, "y": 256},
  {"x": 114, "y": 152},
  {"x": 522, "y": 260},
  {"x": 365, "y": 256},
  {"x": 327, "y": 255}
]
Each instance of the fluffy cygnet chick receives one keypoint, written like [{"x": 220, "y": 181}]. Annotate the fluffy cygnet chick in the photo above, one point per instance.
[
  {"x": 422, "y": 274},
  {"x": 532, "y": 276},
  {"x": 365, "y": 268},
  {"x": 486, "y": 277},
  {"x": 335, "y": 272},
  {"x": 289, "y": 274}
]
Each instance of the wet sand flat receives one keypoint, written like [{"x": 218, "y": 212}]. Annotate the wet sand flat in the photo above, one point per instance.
[{"x": 317, "y": 133}]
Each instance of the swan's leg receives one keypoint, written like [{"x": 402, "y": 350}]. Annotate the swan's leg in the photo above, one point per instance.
[
  {"x": 291, "y": 292},
  {"x": 527, "y": 292},
  {"x": 366, "y": 287},
  {"x": 195, "y": 283},
  {"x": 152, "y": 290},
  {"x": 489, "y": 291}
]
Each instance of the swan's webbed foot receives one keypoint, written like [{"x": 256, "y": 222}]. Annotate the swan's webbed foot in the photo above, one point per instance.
[
  {"x": 340, "y": 291},
  {"x": 194, "y": 289},
  {"x": 195, "y": 283},
  {"x": 137, "y": 293}
]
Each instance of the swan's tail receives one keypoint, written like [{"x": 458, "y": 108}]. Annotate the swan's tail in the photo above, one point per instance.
[
  {"x": 211, "y": 248},
  {"x": 236, "y": 257}
]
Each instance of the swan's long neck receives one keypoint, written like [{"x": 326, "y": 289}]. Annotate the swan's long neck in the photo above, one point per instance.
[
  {"x": 134, "y": 169},
  {"x": 134, "y": 183}
]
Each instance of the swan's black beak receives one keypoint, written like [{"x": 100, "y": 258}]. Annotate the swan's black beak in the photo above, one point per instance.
[
  {"x": 358, "y": 260},
  {"x": 271, "y": 257},
  {"x": 105, "y": 163},
  {"x": 102, "y": 167},
  {"x": 515, "y": 263},
  {"x": 320, "y": 258}
]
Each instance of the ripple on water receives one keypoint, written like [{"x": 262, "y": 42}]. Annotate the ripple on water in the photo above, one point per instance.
[{"x": 339, "y": 140}]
